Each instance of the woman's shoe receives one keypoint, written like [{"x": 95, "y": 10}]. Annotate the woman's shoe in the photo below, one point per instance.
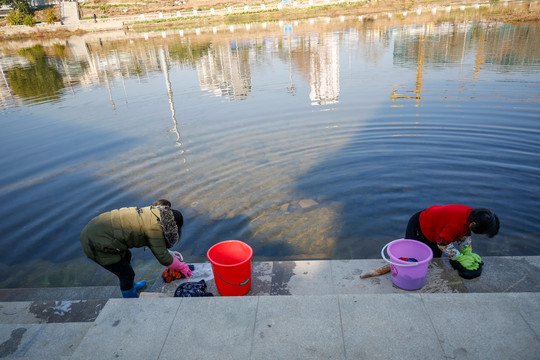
[
  {"x": 139, "y": 285},
  {"x": 131, "y": 293}
]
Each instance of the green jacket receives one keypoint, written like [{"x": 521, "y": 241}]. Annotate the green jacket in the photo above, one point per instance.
[{"x": 108, "y": 236}]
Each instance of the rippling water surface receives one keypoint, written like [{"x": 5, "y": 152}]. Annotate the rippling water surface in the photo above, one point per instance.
[{"x": 313, "y": 140}]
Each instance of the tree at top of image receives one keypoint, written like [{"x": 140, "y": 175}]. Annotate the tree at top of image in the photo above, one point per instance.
[{"x": 21, "y": 13}]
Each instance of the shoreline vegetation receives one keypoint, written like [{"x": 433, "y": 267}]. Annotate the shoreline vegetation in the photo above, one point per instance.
[{"x": 125, "y": 13}]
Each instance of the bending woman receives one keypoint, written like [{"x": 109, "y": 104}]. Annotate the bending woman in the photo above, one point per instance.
[
  {"x": 447, "y": 229},
  {"x": 108, "y": 237}
]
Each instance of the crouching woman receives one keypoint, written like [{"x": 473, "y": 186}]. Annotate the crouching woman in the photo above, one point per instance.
[
  {"x": 447, "y": 229},
  {"x": 108, "y": 237}
]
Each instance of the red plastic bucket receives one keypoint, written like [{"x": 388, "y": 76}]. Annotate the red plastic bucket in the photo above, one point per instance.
[
  {"x": 231, "y": 265},
  {"x": 408, "y": 275}
]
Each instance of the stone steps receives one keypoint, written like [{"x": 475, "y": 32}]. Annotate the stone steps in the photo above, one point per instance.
[
  {"x": 294, "y": 310},
  {"x": 70, "y": 12},
  {"x": 501, "y": 274},
  {"x": 340, "y": 277}
]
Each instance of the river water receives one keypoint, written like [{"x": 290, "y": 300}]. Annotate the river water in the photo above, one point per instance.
[{"x": 307, "y": 140}]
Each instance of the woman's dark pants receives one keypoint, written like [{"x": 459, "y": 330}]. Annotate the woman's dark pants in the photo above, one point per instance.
[
  {"x": 124, "y": 271},
  {"x": 415, "y": 233}
]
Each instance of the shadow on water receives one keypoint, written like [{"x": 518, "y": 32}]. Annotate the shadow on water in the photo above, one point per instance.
[{"x": 51, "y": 202}]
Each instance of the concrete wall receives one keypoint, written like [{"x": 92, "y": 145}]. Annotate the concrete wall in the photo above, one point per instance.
[{"x": 70, "y": 12}]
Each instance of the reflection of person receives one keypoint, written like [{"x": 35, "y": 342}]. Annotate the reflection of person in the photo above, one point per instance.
[
  {"x": 108, "y": 237},
  {"x": 447, "y": 229}
]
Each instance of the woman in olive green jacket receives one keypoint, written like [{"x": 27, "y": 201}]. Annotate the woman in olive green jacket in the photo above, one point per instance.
[{"x": 108, "y": 237}]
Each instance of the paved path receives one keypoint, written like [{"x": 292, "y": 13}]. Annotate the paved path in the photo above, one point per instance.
[{"x": 330, "y": 314}]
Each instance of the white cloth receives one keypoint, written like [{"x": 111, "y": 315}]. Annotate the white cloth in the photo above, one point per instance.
[{"x": 177, "y": 255}]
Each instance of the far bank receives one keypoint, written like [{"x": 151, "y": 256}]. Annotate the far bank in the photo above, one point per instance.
[{"x": 392, "y": 13}]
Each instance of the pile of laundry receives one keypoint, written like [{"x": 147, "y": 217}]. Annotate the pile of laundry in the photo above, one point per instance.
[
  {"x": 192, "y": 289},
  {"x": 186, "y": 289},
  {"x": 170, "y": 275}
]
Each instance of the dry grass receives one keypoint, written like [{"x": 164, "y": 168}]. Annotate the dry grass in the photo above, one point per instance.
[
  {"x": 118, "y": 8},
  {"x": 521, "y": 14},
  {"x": 528, "y": 12}
]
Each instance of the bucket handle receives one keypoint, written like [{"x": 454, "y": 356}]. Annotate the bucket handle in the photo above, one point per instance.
[
  {"x": 404, "y": 265},
  {"x": 230, "y": 283}
]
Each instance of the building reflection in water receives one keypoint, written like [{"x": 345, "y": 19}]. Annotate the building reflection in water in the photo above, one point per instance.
[
  {"x": 479, "y": 59},
  {"x": 324, "y": 69},
  {"x": 291, "y": 89},
  {"x": 5, "y": 93},
  {"x": 416, "y": 47},
  {"x": 225, "y": 71},
  {"x": 165, "y": 67},
  {"x": 224, "y": 63}
]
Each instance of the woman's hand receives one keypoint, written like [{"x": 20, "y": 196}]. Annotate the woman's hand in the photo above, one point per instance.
[{"x": 180, "y": 266}]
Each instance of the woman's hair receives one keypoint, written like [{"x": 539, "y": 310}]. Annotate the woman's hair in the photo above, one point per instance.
[
  {"x": 485, "y": 222},
  {"x": 162, "y": 202}
]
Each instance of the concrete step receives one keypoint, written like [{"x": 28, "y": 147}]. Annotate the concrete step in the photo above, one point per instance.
[
  {"x": 64, "y": 293},
  {"x": 364, "y": 326},
  {"x": 322, "y": 277},
  {"x": 328, "y": 312}
]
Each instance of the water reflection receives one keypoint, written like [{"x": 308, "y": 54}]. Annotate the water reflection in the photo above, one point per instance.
[
  {"x": 165, "y": 67},
  {"x": 324, "y": 69},
  {"x": 234, "y": 128},
  {"x": 224, "y": 66},
  {"x": 224, "y": 70},
  {"x": 36, "y": 80}
]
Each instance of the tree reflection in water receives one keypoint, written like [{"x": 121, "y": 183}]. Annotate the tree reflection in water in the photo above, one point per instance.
[{"x": 38, "y": 81}]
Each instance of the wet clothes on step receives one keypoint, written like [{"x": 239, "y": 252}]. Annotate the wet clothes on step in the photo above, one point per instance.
[
  {"x": 192, "y": 289},
  {"x": 170, "y": 275}
]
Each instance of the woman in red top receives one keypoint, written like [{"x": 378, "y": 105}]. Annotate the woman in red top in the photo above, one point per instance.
[{"x": 447, "y": 229}]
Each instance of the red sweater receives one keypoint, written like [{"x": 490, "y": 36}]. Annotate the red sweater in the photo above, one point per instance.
[{"x": 445, "y": 224}]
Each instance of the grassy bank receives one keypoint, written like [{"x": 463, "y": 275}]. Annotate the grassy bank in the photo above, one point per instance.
[
  {"x": 498, "y": 13},
  {"x": 518, "y": 13}
]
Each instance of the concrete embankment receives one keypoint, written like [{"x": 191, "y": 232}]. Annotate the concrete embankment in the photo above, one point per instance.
[{"x": 294, "y": 310}]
